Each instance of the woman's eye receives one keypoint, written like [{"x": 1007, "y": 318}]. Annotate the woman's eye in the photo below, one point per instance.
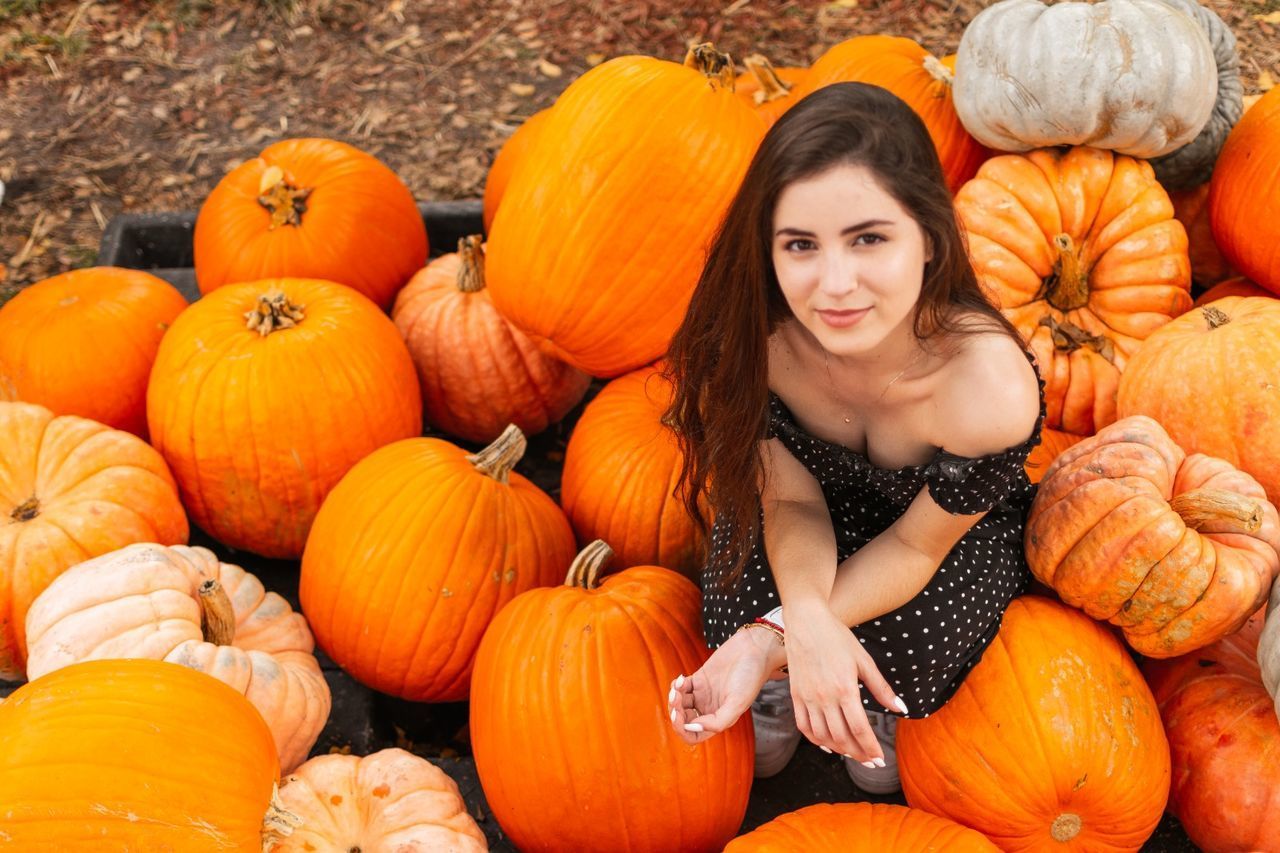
[
  {"x": 798, "y": 245},
  {"x": 868, "y": 239}
]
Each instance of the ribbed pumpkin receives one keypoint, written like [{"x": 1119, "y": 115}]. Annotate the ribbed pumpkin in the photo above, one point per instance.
[
  {"x": 1177, "y": 550},
  {"x": 477, "y": 372},
  {"x": 1244, "y": 208},
  {"x": 1053, "y": 741},
  {"x": 1080, "y": 250},
  {"x": 1269, "y": 647},
  {"x": 391, "y": 800},
  {"x": 598, "y": 264},
  {"x": 1238, "y": 286},
  {"x": 561, "y": 777},
  {"x": 860, "y": 828},
  {"x": 620, "y": 472},
  {"x": 70, "y": 489},
  {"x": 913, "y": 74},
  {"x": 133, "y": 755},
  {"x": 311, "y": 208},
  {"x": 1224, "y": 739},
  {"x": 1207, "y": 378},
  {"x": 1191, "y": 208},
  {"x": 415, "y": 551},
  {"x": 181, "y": 605},
  {"x": 1052, "y": 443},
  {"x": 43, "y": 357},
  {"x": 507, "y": 160},
  {"x": 265, "y": 393},
  {"x": 767, "y": 89}
]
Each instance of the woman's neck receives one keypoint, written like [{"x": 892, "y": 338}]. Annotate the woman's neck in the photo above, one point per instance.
[{"x": 865, "y": 375}]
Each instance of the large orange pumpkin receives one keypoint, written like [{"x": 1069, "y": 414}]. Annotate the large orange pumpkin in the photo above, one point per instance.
[
  {"x": 1225, "y": 742},
  {"x": 1177, "y": 550},
  {"x": 913, "y": 74},
  {"x": 1238, "y": 286},
  {"x": 860, "y": 828},
  {"x": 265, "y": 393},
  {"x": 1053, "y": 741},
  {"x": 1209, "y": 379},
  {"x": 311, "y": 208},
  {"x": 509, "y": 157},
  {"x": 1052, "y": 443},
  {"x": 1191, "y": 208},
  {"x": 70, "y": 489},
  {"x": 182, "y": 605},
  {"x": 133, "y": 755},
  {"x": 620, "y": 472},
  {"x": 597, "y": 264},
  {"x": 415, "y": 551},
  {"x": 43, "y": 356},
  {"x": 569, "y": 720},
  {"x": 477, "y": 372},
  {"x": 1244, "y": 206},
  {"x": 1080, "y": 250}
]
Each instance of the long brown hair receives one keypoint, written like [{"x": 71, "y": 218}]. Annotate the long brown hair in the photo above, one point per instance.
[{"x": 718, "y": 359}]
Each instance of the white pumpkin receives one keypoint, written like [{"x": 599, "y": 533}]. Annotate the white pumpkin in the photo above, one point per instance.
[
  {"x": 1134, "y": 76},
  {"x": 1269, "y": 647}
]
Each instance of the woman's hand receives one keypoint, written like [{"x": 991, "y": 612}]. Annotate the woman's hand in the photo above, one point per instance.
[
  {"x": 826, "y": 662},
  {"x": 711, "y": 700}
]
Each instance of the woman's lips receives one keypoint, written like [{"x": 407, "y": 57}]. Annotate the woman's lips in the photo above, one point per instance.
[{"x": 842, "y": 319}]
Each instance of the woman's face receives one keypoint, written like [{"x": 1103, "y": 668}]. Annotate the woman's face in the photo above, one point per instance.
[{"x": 849, "y": 259}]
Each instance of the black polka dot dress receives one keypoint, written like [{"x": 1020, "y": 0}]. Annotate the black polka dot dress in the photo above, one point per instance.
[{"x": 926, "y": 647}]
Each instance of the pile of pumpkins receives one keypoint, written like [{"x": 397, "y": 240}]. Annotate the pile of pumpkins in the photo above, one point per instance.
[{"x": 283, "y": 414}]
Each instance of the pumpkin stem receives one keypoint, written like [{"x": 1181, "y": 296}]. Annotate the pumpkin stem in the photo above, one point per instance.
[
  {"x": 499, "y": 458},
  {"x": 278, "y": 823},
  {"x": 1065, "y": 827},
  {"x": 1218, "y": 511},
  {"x": 274, "y": 311},
  {"x": 285, "y": 202},
  {"x": 716, "y": 66},
  {"x": 585, "y": 571},
  {"x": 933, "y": 65},
  {"x": 1215, "y": 317},
  {"x": 1067, "y": 287},
  {"x": 217, "y": 616},
  {"x": 471, "y": 273},
  {"x": 26, "y": 510},
  {"x": 1068, "y": 337},
  {"x": 772, "y": 87}
]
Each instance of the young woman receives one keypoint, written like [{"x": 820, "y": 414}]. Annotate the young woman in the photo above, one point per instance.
[{"x": 856, "y": 414}]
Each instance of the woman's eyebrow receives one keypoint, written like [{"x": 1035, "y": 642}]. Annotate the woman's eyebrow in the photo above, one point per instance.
[{"x": 798, "y": 232}]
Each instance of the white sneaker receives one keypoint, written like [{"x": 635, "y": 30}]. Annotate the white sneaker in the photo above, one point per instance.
[
  {"x": 775, "y": 722},
  {"x": 879, "y": 780}
]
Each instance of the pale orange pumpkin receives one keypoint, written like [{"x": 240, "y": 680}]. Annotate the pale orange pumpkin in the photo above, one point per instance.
[
  {"x": 1053, "y": 741},
  {"x": 568, "y": 715},
  {"x": 414, "y": 552},
  {"x": 133, "y": 755},
  {"x": 391, "y": 800},
  {"x": 70, "y": 489},
  {"x": 1080, "y": 250},
  {"x": 507, "y": 161},
  {"x": 477, "y": 372},
  {"x": 43, "y": 357},
  {"x": 860, "y": 828},
  {"x": 597, "y": 265},
  {"x": 311, "y": 208},
  {"x": 265, "y": 393},
  {"x": 182, "y": 605},
  {"x": 1244, "y": 207}
]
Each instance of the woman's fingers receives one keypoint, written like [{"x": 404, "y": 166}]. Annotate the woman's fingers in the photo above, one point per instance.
[
  {"x": 878, "y": 687},
  {"x": 865, "y": 747}
]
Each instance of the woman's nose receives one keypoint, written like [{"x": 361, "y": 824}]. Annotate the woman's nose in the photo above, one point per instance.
[{"x": 839, "y": 277}]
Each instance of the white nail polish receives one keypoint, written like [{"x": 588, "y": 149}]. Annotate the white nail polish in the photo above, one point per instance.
[
  {"x": 679, "y": 682},
  {"x": 868, "y": 765},
  {"x": 674, "y": 717},
  {"x": 824, "y": 749},
  {"x": 899, "y": 704},
  {"x": 693, "y": 727},
  {"x": 671, "y": 697},
  {"x": 878, "y": 762}
]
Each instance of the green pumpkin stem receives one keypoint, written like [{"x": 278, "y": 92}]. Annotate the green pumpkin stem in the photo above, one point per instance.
[
  {"x": 499, "y": 458},
  {"x": 26, "y": 510},
  {"x": 586, "y": 568},
  {"x": 471, "y": 271},
  {"x": 285, "y": 202},
  {"x": 274, "y": 312},
  {"x": 772, "y": 87},
  {"x": 1068, "y": 287},
  {"x": 1218, "y": 510},
  {"x": 715, "y": 65},
  {"x": 217, "y": 616}
]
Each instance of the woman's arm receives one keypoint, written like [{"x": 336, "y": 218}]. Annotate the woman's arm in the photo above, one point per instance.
[{"x": 798, "y": 533}]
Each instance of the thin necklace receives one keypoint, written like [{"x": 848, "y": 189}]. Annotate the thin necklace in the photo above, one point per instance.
[{"x": 919, "y": 352}]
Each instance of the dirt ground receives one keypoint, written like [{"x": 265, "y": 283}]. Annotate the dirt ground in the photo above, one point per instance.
[{"x": 133, "y": 106}]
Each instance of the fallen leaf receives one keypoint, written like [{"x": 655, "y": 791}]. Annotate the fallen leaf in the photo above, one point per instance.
[
  {"x": 594, "y": 59},
  {"x": 1272, "y": 18},
  {"x": 549, "y": 69},
  {"x": 524, "y": 90},
  {"x": 1265, "y": 81}
]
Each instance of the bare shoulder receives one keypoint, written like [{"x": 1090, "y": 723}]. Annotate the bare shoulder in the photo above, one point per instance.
[{"x": 989, "y": 398}]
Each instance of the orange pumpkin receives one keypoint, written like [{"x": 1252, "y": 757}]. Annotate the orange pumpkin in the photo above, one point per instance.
[
  {"x": 597, "y": 265},
  {"x": 1225, "y": 744},
  {"x": 415, "y": 551},
  {"x": 133, "y": 755},
  {"x": 601, "y": 658},
  {"x": 70, "y": 490},
  {"x": 913, "y": 74},
  {"x": 1238, "y": 286},
  {"x": 1244, "y": 207},
  {"x": 504, "y": 165},
  {"x": 1052, "y": 443},
  {"x": 1191, "y": 208},
  {"x": 860, "y": 828},
  {"x": 477, "y": 372},
  {"x": 1206, "y": 377},
  {"x": 766, "y": 89},
  {"x": 311, "y": 208},
  {"x": 620, "y": 472},
  {"x": 181, "y": 605},
  {"x": 1080, "y": 250},
  {"x": 391, "y": 800},
  {"x": 265, "y": 393},
  {"x": 1177, "y": 550},
  {"x": 1053, "y": 741},
  {"x": 43, "y": 358}
]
